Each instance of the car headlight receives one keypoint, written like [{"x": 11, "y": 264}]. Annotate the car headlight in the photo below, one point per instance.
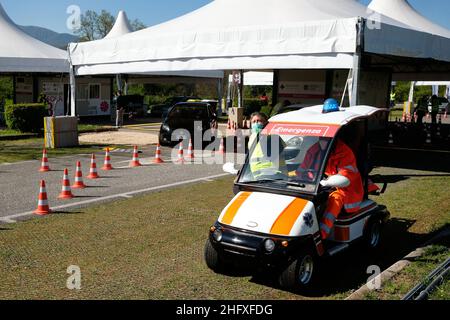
[
  {"x": 217, "y": 235},
  {"x": 165, "y": 127},
  {"x": 269, "y": 245}
]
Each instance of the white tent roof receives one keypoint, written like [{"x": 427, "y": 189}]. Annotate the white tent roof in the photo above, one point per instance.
[
  {"x": 20, "y": 52},
  {"x": 121, "y": 26},
  {"x": 255, "y": 35},
  {"x": 402, "y": 11}
]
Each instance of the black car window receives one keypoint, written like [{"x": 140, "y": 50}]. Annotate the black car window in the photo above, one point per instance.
[{"x": 189, "y": 112}]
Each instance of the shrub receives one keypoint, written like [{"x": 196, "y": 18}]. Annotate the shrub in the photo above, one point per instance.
[
  {"x": 252, "y": 105},
  {"x": 26, "y": 117}
]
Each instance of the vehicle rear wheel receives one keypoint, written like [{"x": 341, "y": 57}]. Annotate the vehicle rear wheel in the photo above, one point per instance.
[
  {"x": 299, "y": 274},
  {"x": 372, "y": 235},
  {"x": 212, "y": 258}
]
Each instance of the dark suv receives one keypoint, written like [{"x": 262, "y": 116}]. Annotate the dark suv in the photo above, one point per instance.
[
  {"x": 184, "y": 116},
  {"x": 160, "y": 110}
]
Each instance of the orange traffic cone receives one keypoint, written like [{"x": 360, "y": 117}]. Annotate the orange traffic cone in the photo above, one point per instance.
[
  {"x": 107, "y": 164},
  {"x": 66, "y": 191},
  {"x": 79, "y": 184},
  {"x": 135, "y": 162},
  {"x": 180, "y": 153},
  {"x": 190, "y": 154},
  {"x": 44, "y": 164},
  {"x": 93, "y": 170},
  {"x": 222, "y": 146},
  {"x": 158, "y": 154},
  {"x": 43, "y": 207}
]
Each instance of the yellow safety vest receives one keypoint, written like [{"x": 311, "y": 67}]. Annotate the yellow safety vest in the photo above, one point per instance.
[{"x": 261, "y": 165}]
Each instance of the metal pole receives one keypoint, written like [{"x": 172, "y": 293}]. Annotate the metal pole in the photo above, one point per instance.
[
  {"x": 73, "y": 107},
  {"x": 220, "y": 96},
  {"x": 357, "y": 63}
]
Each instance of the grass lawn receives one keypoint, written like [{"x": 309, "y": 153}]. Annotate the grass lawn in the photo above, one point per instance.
[
  {"x": 415, "y": 273},
  {"x": 82, "y": 128},
  {"x": 151, "y": 246},
  {"x": 31, "y": 149}
]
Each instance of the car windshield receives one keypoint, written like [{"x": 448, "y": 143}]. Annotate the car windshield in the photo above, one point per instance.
[
  {"x": 286, "y": 161},
  {"x": 189, "y": 112}
]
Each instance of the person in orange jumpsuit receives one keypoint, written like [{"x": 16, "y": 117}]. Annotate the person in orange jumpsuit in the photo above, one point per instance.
[{"x": 342, "y": 161}]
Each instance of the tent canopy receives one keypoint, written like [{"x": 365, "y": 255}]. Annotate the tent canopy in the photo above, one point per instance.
[
  {"x": 121, "y": 26},
  {"x": 20, "y": 52},
  {"x": 255, "y": 35},
  {"x": 402, "y": 11}
]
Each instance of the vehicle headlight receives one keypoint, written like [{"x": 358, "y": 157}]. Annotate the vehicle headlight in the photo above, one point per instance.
[
  {"x": 269, "y": 245},
  {"x": 165, "y": 127},
  {"x": 217, "y": 235}
]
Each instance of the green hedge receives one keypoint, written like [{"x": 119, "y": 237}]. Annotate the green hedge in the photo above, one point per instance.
[
  {"x": 26, "y": 117},
  {"x": 252, "y": 105}
]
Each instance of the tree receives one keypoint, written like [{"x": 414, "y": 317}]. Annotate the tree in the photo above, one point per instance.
[
  {"x": 88, "y": 26},
  {"x": 96, "y": 26},
  {"x": 137, "y": 25},
  {"x": 105, "y": 22}
]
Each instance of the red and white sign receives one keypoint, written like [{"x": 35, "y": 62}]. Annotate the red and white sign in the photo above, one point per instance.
[{"x": 312, "y": 130}]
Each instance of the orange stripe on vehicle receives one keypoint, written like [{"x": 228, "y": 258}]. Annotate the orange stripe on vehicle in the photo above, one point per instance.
[
  {"x": 341, "y": 233},
  {"x": 288, "y": 217},
  {"x": 234, "y": 208}
]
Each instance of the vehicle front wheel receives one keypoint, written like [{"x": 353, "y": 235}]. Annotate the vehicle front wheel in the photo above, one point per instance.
[
  {"x": 212, "y": 258},
  {"x": 372, "y": 234},
  {"x": 299, "y": 274}
]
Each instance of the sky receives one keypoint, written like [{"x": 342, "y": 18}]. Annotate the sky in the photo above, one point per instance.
[{"x": 52, "y": 14}]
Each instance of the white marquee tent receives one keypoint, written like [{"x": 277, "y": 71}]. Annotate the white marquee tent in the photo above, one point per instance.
[
  {"x": 402, "y": 11},
  {"x": 257, "y": 34},
  {"x": 20, "y": 52},
  {"x": 121, "y": 26},
  {"x": 261, "y": 34}
]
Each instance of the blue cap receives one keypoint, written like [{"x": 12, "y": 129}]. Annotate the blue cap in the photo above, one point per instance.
[{"x": 330, "y": 105}]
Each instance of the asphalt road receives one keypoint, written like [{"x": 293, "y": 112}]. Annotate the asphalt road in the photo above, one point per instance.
[{"x": 19, "y": 183}]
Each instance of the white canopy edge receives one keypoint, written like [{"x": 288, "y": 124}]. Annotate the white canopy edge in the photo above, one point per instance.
[
  {"x": 20, "y": 52},
  {"x": 317, "y": 61},
  {"x": 392, "y": 40},
  {"x": 39, "y": 65},
  {"x": 402, "y": 11},
  {"x": 331, "y": 36}
]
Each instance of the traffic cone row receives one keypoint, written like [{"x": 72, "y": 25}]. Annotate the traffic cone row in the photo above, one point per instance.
[
  {"x": 107, "y": 166},
  {"x": 158, "y": 158},
  {"x": 180, "y": 153},
  {"x": 79, "y": 184},
  {"x": 66, "y": 191},
  {"x": 135, "y": 161},
  {"x": 44, "y": 164},
  {"x": 43, "y": 207},
  {"x": 93, "y": 170},
  {"x": 222, "y": 146},
  {"x": 190, "y": 154}
]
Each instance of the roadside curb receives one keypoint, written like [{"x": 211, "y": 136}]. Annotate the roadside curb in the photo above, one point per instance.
[{"x": 397, "y": 267}]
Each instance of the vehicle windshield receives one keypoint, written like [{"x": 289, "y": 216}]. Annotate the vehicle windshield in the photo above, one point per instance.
[
  {"x": 286, "y": 161},
  {"x": 189, "y": 112}
]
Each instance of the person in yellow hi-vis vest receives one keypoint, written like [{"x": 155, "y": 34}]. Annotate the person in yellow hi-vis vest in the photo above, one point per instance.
[{"x": 267, "y": 159}]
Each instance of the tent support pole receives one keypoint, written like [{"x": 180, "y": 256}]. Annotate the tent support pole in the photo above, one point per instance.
[
  {"x": 275, "y": 86},
  {"x": 357, "y": 63},
  {"x": 73, "y": 87},
  {"x": 14, "y": 90},
  {"x": 220, "y": 96}
]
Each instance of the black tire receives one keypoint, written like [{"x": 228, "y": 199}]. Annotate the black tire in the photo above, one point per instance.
[
  {"x": 299, "y": 274},
  {"x": 372, "y": 234},
  {"x": 212, "y": 258}
]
